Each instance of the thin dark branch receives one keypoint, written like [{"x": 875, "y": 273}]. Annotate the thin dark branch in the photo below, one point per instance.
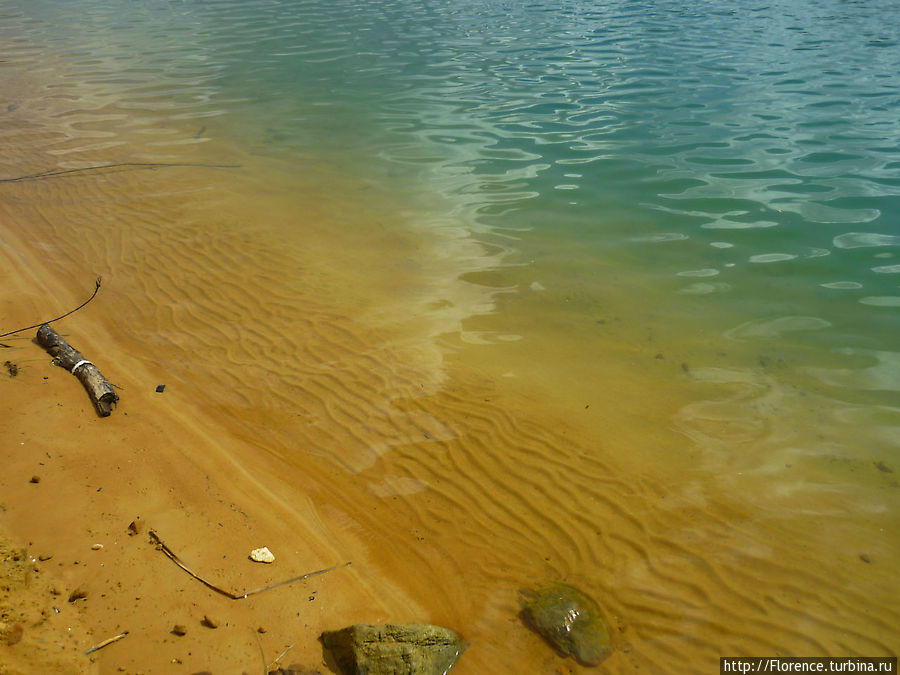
[
  {"x": 170, "y": 554},
  {"x": 126, "y": 165},
  {"x": 293, "y": 580},
  {"x": 62, "y": 316},
  {"x": 262, "y": 654},
  {"x": 175, "y": 559}
]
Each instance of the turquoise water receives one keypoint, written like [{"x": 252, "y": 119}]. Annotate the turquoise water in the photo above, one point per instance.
[
  {"x": 766, "y": 135},
  {"x": 756, "y": 144}
]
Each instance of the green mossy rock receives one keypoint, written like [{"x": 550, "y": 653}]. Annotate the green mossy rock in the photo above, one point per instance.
[
  {"x": 569, "y": 620},
  {"x": 394, "y": 649}
]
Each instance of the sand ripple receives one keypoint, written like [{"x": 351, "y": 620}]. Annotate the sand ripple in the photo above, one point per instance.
[{"x": 478, "y": 490}]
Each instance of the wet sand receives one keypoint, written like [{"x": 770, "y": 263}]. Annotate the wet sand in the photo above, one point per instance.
[{"x": 356, "y": 407}]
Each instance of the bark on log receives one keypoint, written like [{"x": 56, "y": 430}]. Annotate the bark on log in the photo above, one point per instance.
[{"x": 100, "y": 390}]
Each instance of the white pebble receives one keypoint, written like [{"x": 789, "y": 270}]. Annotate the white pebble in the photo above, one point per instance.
[{"x": 263, "y": 555}]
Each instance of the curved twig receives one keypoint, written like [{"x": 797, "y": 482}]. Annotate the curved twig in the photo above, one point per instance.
[
  {"x": 62, "y": 316},
  {"x": 170, "y": 554}
]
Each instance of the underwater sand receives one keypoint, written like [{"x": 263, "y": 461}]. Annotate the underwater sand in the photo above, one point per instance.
[{"x": 324, "y": 406}]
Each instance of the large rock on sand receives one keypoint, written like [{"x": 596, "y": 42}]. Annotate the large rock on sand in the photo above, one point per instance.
[
  {"x": 394, "y": 649},
  {"x": 569, "y": 620}
]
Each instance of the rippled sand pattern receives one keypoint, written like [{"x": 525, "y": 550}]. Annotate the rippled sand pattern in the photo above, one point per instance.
[
  {"x": 477, "y": 491},
  {"x": 348, "y": 358},
  {"x": 460, "y": 493}
]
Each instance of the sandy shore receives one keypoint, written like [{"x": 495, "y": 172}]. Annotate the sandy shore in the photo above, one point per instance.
[
  {"x": 173, "y": 460},
  {"x": 74, "y": 482}
]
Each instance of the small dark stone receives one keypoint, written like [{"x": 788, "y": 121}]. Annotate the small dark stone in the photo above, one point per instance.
[
  {"x": 35, "y": 479},
  {"x": 179, "y": 630},
  {"x": 136, "y": 526},
  {"x": 79, "y": 593},
  {"x": 160, "y": 388},
  {"x": 881, "y": 466},
  {"x": 12, "y": 368},
  {"x": 865, "y": 558},
  {"x": 210, "y": 622}
]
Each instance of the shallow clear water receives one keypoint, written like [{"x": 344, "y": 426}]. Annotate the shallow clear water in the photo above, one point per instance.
[
  {"x": 702, "y": 198},
  {"x": 730, "y": 149},
  {"x": 736, "y": 166}
]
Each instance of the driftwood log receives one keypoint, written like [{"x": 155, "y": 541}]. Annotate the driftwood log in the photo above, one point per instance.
[{"x": 100, "y": 390}]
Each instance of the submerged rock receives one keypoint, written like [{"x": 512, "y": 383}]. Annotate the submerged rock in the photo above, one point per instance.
[
  {"x": 394, "y": 649},
  {"x": 569, "y": 620}
]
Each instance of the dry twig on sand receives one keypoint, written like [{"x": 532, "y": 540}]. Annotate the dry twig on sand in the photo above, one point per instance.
[
  {"x": 228, "y": 594},
  {"x": 270, "y": 667},
  {"x": 101, "y": 645},
  {"x": 280, "y": 656},
  {"x": 61, "y": 316}
]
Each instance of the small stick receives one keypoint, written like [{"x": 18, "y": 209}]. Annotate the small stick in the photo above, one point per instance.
[
  {"x": 262, "y": 654},
  {"x": 61, "y": 316},
  {"x": 228, "y": 594},
  {"x": 175, "y": 559},
  {"x": 295, "y": 579},
  {"x": 101, "y": 645},
  {"x": 281, "y": 655}
]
